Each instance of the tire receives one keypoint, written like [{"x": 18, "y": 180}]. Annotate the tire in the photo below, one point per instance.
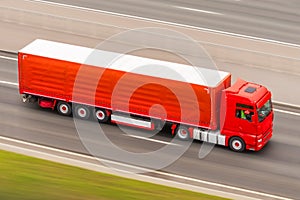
[
  {"x": 182, "y": 133},
  {"x": 64, "y": 108},
  {"x": 82, "y": 112},
  {"x": 237, "y": 144},
  {"x": 101, "y": 115}
]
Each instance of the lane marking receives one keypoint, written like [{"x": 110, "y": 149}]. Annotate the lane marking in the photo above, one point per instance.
[
  {"x": 72, "y": 153},
  {"x": 286, "y": 112},
  {"x": 286, "y": 104},
  {"x": 9, "y": 58},
  {"x": 170, "y": 23},
  {"x": 132, "y": 166},
  {"x": 198, "y": 10},
  {"x": 151, "y": 139},
  {"x": 9, "y": 83},
  {"x": 224, "y": 186}
]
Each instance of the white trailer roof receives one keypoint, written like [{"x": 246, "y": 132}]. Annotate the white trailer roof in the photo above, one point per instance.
[{"x": 124, "y": 62}]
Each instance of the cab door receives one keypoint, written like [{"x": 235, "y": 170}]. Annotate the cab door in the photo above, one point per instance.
[{"x": 245, "y": 119}]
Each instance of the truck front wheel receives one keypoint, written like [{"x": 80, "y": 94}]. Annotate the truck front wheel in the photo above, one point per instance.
[
  {"x": 64, "y": 108},
  {"x": 237, "y": 144}
]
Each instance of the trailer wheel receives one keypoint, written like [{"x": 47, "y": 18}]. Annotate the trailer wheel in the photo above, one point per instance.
[
  {"x": 237, "y": 144},
  {"x": 101, "y": 115},
  {"x": 182, "y": 133},
  {"x": 82, "y": 112},
  {"x": 64, "y": 108}
]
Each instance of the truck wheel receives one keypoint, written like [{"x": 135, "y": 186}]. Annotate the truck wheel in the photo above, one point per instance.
[
  {"x": 182, "y": 133},
  {"x": 64, "y": 108},
  {"x": 237, "y": 144},
  {"x": 82, "y": 112},
  {"x": 101, "y": 115}
]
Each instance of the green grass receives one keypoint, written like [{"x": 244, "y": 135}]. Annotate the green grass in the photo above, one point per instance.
[{"x": 24, "y": 177}]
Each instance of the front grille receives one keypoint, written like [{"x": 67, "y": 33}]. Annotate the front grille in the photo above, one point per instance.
[{"x": 266, "y": 134}]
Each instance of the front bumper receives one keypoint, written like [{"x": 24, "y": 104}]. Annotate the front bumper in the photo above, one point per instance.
[{"x": 262, "y": 141}]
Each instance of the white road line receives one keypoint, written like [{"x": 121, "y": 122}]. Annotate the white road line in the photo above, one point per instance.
[
  {"x": 286, "y": 104},
  {"x": 170, "y": 23},
  {"x": 8, "y": 58},
  {"x": 96, "y": 167},
  {"x": 224, "y": 186},
  {"x": 286, "y": 112},
  {"x": 198, "y": 10},
  {"x": 152, "y": 140},
  {"x": 9, "y": 83},
  {"x": 72, "y": 153}
]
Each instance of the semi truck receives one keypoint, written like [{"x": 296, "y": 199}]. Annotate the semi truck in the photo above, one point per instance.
[{"x": 198, "y": 103}]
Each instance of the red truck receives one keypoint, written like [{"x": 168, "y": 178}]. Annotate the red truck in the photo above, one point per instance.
[{"x": 239, "y": 116}]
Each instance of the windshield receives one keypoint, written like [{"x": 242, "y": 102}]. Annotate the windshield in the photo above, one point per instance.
[{"x": 264, "y": 111}]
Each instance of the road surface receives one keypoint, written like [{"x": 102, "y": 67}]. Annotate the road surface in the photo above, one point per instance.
[
  {"x": 273, "y": 170},
  {"x": 272, "y": 19}
]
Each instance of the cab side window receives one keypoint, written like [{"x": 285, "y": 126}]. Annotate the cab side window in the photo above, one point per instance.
[{"x": 244, "y": 112}]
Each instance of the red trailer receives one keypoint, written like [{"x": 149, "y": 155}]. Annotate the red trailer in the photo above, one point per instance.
[{"x": 199, "y": 103}]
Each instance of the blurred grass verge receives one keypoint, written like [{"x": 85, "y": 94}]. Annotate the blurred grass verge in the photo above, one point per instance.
[{"x": 24, "y": 177}]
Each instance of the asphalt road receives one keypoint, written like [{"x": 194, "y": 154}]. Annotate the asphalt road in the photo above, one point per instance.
[
  {"x": 273, "y": 170},
  {"x": 273, "y": 19}
]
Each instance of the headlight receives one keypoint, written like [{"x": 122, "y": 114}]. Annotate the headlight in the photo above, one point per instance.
[{"x": 260, "y": 140}]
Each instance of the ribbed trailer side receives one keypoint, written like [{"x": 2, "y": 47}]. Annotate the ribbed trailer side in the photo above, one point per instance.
[
  {"x": 153, "y": 97},
  {"x": 69, "y": 73},
  {"x": 44, "y": 76},
  {"x": 161, "y": 98},
  {"x": 118, "y": 90}
]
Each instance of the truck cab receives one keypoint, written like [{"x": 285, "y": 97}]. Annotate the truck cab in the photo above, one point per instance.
[{"x": 246, "y": 116}]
